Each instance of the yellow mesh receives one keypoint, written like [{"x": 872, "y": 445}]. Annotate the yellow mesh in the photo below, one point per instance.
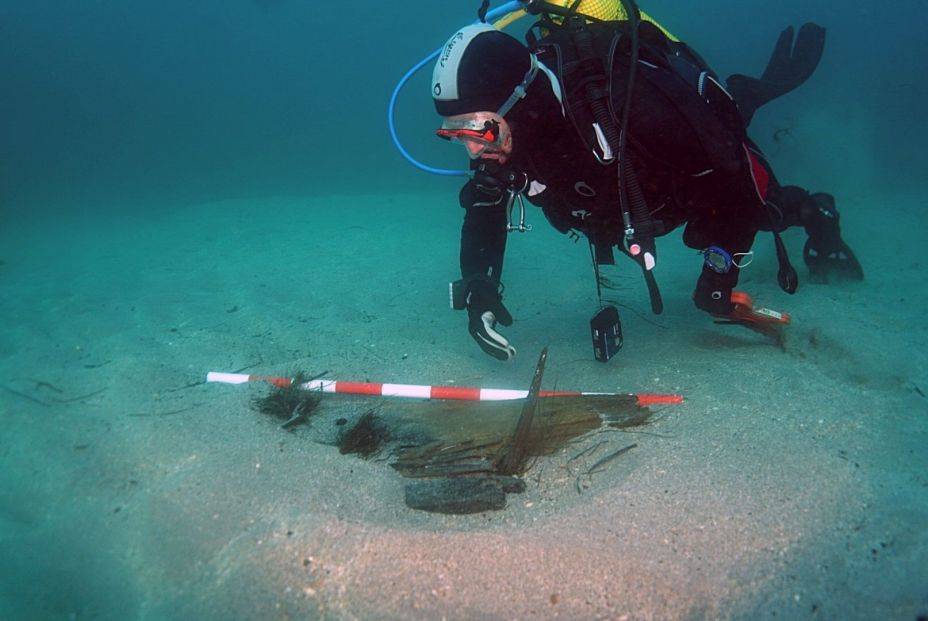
[{"x": 607, "y": 10}]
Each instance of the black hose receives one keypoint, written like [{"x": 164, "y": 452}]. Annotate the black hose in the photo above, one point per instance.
[
  {"x": 630, "y": 192},
  {"x": 482, "y": 11}
]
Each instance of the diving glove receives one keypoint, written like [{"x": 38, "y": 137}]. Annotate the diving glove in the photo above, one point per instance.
[{"x": 484, "y": 304}]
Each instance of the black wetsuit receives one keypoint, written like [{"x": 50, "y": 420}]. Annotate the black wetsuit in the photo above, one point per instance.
[{"x": 691, "y": 156}]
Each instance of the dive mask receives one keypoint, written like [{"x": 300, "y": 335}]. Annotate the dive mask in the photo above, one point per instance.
[{"x": 484, "y": 134}]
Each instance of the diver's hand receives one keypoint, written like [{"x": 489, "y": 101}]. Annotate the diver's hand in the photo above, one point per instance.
[{"x": 485, "y": 309}]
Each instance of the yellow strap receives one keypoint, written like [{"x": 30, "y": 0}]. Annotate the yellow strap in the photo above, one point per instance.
[{"x": 506, "y": 20}]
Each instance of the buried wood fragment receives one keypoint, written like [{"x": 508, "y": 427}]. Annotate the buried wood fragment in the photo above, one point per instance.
[
  {"x": 587, "y": 451},
  {"x": 599, "y": 466},
  {"x": 463, "y": 456},
  {"x": 459, "y": 468},
  {"x": 514, "y": 460},
  {"x": 462, "y": 495}
]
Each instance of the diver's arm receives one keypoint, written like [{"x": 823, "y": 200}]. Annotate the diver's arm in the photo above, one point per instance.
[
  {"x": 483, "y": 235},
  {"x": 483, "y": 245},
  {"x": 735, "y": 236},
  {"x": 485, "y": 199}
]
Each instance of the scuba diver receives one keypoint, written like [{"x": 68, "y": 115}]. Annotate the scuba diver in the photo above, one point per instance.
[{"x": 621, "y": 133}]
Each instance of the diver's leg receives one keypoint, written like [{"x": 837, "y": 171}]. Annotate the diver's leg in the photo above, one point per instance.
[
  {"x": 790, "y": 65},
  {"x": 715, "y": 284},
  {"x": 825, "y": 253}
]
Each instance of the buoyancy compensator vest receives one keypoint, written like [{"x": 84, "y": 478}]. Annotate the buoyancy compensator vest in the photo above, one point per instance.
[
  {"x": 687, "y": 122},
  {"x": 668, "y": 70}
]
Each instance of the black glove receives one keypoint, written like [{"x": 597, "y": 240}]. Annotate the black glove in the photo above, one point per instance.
[
  {"x": 713, "y": 291},
  {"x": 485, "y": 309}
]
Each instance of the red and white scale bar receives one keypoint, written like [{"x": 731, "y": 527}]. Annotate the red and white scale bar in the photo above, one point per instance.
[{"x": 414, "y": 391}]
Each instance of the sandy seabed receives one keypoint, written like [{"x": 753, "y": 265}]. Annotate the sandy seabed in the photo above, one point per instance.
[{"x": 792, "y": 483}]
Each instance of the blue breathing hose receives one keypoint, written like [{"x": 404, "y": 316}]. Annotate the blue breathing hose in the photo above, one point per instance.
[{"x": 505, "y": 9}]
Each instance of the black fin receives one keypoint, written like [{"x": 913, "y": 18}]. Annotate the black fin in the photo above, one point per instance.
[
  {"x": 839, "y": 264},
  {"x": 789, "y": 66}
]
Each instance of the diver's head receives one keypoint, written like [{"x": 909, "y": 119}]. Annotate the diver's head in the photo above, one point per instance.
[
  {"x": 481, "y": 69},
  {"x": 480, "y": 75}
]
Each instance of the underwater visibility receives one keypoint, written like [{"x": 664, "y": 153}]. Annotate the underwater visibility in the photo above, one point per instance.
[{"x": 547, "y": 309}]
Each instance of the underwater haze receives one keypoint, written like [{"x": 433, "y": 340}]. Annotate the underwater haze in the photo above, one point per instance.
[
  {"x": 139, "y": 102},
  {"x": 204, "y": 185}
]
